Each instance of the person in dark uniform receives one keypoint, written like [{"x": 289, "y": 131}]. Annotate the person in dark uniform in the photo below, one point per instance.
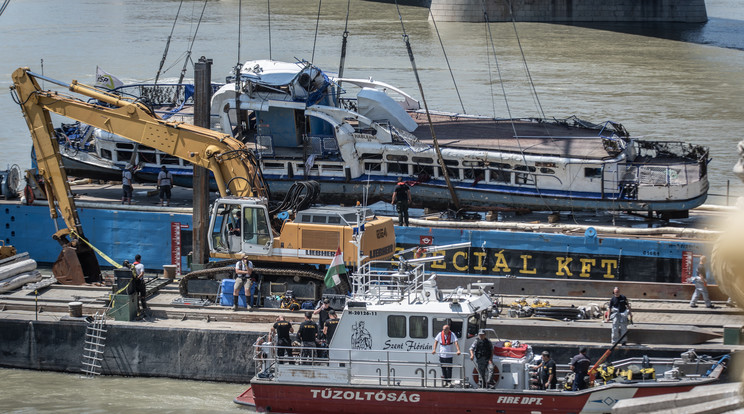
[
  {"x": 547, "y": 372},
  {"x": 281, "y": 330},
  {"x": 482, "y": 351},
  {"x": 330, "y": 325},
  {"x": 308, "y": 334},
  {"x": 580, "y": 367},
  {"x": 322, "y": 312},
  {"x": 401, "y": 199}
]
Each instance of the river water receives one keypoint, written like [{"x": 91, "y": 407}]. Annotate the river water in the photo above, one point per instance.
[{"x": 667, "y": 82}]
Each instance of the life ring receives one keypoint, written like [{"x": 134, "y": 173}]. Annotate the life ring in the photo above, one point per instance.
[{"x": 494, "y": 377}]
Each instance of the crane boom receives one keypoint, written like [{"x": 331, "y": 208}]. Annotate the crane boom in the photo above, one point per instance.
[{"x": 233, "y": 165}]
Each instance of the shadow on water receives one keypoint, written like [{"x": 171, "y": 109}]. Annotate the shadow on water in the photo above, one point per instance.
[{"x": 725, "y": 33}]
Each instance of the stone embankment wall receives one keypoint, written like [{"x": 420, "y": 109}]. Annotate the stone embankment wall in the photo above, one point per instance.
[
  {"x": 131, "y": 350},
  {"x": 569, "y": 11}
]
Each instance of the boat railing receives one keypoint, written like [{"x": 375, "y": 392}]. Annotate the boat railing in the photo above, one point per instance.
[
  {"x": 387, "y": 281},
  {"x": 391, "y": 368}
]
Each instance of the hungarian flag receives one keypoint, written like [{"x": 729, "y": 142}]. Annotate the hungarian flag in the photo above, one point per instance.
[{"x": 337, "y": 268}]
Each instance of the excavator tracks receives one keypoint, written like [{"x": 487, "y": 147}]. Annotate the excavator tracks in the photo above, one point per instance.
[{"x": 268, "y": 272}]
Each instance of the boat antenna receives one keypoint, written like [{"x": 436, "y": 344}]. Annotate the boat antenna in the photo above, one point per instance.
[
  {"x": 188, "y": 52},
  {"x": 442, "y": 165},
  {"x": 344, "y": 43},
  {"x": 315, "y": 40},
  {"x": 268, "y": 13},
  {"x": 446, "y": 59},
  {"x": 167, "y": 44},
  {"x": 524, "y": 60}
]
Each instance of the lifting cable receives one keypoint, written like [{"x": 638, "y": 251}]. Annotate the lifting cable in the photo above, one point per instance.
[
  {"x": 315, "y": 40},
  {"x": 4, "y": 6},
  {"x": 238, "y": 77},
  {"x": 524, "y": 60},
  {"x": 268, "y": 12},
  {"x": 167, "y": 43},
  {"x": 343, "y": 51},
  {"x": 508, "y": 108},
  {"x": 446, "y": 59},
  {"x": 442, "y": 165},
  {"x": 188, "y": 52}
]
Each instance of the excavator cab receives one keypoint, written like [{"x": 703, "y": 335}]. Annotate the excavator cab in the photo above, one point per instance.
[{"x": 240, "y": 225}]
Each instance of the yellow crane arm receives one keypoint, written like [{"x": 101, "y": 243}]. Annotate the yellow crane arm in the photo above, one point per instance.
[{"x": 233, "y": 165}]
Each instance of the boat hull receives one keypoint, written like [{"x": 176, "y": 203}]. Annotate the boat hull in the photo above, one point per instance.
[{"x": 266, "y": 396}]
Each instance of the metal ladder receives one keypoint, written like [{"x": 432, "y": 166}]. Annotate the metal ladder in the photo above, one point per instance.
[{"x": 94, "y": 343}]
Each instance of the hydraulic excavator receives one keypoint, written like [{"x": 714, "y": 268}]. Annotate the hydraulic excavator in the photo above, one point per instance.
[{"x": 285, "y": 244}]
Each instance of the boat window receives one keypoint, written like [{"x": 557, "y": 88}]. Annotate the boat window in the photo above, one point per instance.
[
  {"x": 423, "y": 172},
  {"x": 547, "y": 170},
  {"x": 592, "y": 172},
  {"x": 334, "y": 220},
  {"x": 105, "y": 154},
  {"x": 418, "y": 327},
  {"x": 396, "y": 326},
  {"x": 524, "y": 178},
  {"x": 273, "y": 165},
  {"x": 473, "y": 325},
  {"x": 422, "y": 160},
  {"x": 545, "y": 164},
  {"x": 372, "y": 166},
  {"x": 306, "y": 218},
  {"x": 319, "y": 219},
  {"x": 124, "y": 145},
  {"x": 500, "y": 166},
  {"x": 524, "y": 168},
  {"x": 168, "y": 159},
  {"x": 147, "y": 158},
  {"x": 499, "y": 176},
  {"x": 475, "y": 174},
  {"x": 396, "y": 168},
  {"x": 438, "y": 323},
  {"x": 368, "y": 156},
  {"x": 123, "y": 155},
  {"x": 396, "y": 157}
]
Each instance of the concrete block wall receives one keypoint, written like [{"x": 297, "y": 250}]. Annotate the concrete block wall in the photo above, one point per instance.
[
  {"x": 132, "y": 349},
  {"x": 567, "y": 11}
]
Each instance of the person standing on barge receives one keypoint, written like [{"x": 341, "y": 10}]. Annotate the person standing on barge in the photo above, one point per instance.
[
  {"x": 619, "y": 314},
  {"x": 402, "y": 199},
  {"x": 139, "y": 281},
  {"x": 126, "y": 184},
  {"x": 701, "y": 286},
  {"x": 482, "y": 351},
  {"x": 448, "y": 341},
  {"x": 165, "y": 182},
  {"x": 243, "y": 278}
]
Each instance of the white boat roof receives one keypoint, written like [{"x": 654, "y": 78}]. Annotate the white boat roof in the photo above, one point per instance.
[{"x": 271, "y": 72}]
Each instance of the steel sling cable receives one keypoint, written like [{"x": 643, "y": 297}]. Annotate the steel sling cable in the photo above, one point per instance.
[
  {"x": 508, "y": 108},
  {"x": 446, "y": 59},
  {"x": 315, "y": 40},
  {"x": 167, "y": 44}
]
